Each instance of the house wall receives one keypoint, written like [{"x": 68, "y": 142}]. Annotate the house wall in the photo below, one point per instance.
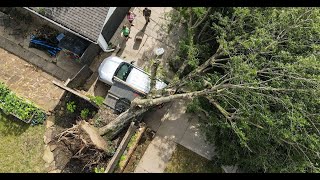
[
  {"x": 113, "y": 23},
  {"x": 90, "y": 53},
  {"x": 78, "y": 80}
]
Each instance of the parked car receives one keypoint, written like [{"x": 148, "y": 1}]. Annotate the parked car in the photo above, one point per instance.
[{"x": 132, "y": 75}]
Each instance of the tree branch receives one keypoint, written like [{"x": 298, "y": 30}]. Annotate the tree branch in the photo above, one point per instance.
[
  {"x": 154, "y": 68},
  {"x": 199, "y": 21}
]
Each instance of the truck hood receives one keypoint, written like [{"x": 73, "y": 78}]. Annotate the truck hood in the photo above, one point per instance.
[{"x": 108, "y": 68}]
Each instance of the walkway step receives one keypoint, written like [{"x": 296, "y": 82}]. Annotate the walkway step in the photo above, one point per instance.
[{"x": 157, "y": 155}]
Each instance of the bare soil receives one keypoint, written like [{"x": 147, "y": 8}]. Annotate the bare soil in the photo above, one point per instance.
[{"x": 66, "y": 151}]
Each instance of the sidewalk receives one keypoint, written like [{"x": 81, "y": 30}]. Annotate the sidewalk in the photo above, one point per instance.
[
  {"x": 153, "y": 35},
  {"x": 174, "y": 127}
]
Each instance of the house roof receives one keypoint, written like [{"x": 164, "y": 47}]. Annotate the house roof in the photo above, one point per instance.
[{"x": 87, "y": 21}]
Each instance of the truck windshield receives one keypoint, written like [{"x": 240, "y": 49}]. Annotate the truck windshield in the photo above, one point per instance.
[{"x": 123, "y": 71}]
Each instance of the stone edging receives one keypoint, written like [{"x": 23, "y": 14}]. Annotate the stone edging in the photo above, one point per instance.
[{"x": 48, "y": 155}]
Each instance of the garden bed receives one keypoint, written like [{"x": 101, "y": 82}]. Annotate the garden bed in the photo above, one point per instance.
[
  {"x": 72, "y": 108},
  {"x": 138, "y": 152},
  {"x": 20, "y": 108}
]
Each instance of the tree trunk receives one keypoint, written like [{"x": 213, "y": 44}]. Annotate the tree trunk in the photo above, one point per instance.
[
  {"x": 144, "y": 103},
  {"x": 153, "y": 77},
  {"x": 114, "y": 127},
  {"x": 140, "y": 106},
  {"x": 95, "y": 137}
]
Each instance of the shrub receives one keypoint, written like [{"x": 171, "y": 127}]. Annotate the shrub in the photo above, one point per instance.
[
  {"x": 84, "y": 113},
  {"x": 71, "y": 107},
  {"x": 97, "y": 100}
]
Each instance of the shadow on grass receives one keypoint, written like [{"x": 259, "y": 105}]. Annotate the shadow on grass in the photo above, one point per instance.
[
  {"x": 9, "y": 125},
  {"x": 185, "y": 161}
]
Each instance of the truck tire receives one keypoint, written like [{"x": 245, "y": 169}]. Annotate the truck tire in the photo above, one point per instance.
[{"x": 122, "y": 105}]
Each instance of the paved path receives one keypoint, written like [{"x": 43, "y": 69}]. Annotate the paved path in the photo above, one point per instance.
[
  {"x": 154, "y": 35},
  {"x": 28, "y": 81},
  {"x": 173, "y": 126}
]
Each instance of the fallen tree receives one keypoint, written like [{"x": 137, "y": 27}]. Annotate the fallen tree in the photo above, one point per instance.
[{"x": 257, "y": 90}]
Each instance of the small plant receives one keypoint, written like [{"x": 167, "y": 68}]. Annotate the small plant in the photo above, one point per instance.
[
  {"x": 98, "y": 122},
  {"x": 97, "y": 99},
  {"x": 84, "y": 113},
  {"x": 71, "y": 107},
  {"x": 122, "y": 161},
  {"x": 132, "y": 140},
  {"x": 10, "y": 103},
  {"x": 99, "y": 170},
  {"x": 41, "y": 11}
]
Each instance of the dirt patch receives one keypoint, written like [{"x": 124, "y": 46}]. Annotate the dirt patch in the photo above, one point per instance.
[
  {"x": 70, "y": 109},
  {"x": 72, "y": 155}
]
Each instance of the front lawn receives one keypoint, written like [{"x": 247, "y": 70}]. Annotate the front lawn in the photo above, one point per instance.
[
  {"x": 185, "y": 161},
  {"x": 21, "y": 146}
]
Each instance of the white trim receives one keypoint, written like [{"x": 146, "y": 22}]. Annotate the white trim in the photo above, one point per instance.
[
  {"x": 103, "y": 44},
  {"x": 110, "y": 12},
  {"x": 60, "y": 25}
]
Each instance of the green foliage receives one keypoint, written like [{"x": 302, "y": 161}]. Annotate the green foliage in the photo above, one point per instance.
[
  {"x": 98, "y": 122},
  {"x": 270, "y": 131},
  {"x": 84, "y": 113},
  {"x": 132, "y": 140},
  {"x": 41, "y": 10},
  {"x": 122, "y": 161},
  {"x": 174, "y": 18},
  {"x": 24, "y": 110},
  {"x": 97, "y": 100},
  {"x": 71, "y": 107},
  {"x": 99, "y": 170}
]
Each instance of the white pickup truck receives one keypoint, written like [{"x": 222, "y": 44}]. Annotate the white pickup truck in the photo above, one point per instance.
[{"x": 127, "y": 82}]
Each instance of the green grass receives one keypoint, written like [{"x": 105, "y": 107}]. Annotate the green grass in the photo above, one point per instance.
[
  {"x": 185, "y": 161},
  {"x": 21, "y": 146}
]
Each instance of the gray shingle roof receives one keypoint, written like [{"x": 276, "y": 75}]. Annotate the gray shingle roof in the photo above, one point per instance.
[{"x": 87, "y": 21}]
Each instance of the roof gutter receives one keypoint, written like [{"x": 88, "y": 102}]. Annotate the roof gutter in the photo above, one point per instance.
[{"x": 60, "y": 25}]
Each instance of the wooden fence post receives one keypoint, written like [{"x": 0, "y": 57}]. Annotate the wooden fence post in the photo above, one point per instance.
[{"x": 123, "y": 145}]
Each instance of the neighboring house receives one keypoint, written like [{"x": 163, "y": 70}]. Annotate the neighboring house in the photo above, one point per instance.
[{"x": 94, "y": 26}]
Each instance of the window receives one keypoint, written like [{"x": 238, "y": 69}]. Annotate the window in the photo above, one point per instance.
[{"x": 123, "y": 71}]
